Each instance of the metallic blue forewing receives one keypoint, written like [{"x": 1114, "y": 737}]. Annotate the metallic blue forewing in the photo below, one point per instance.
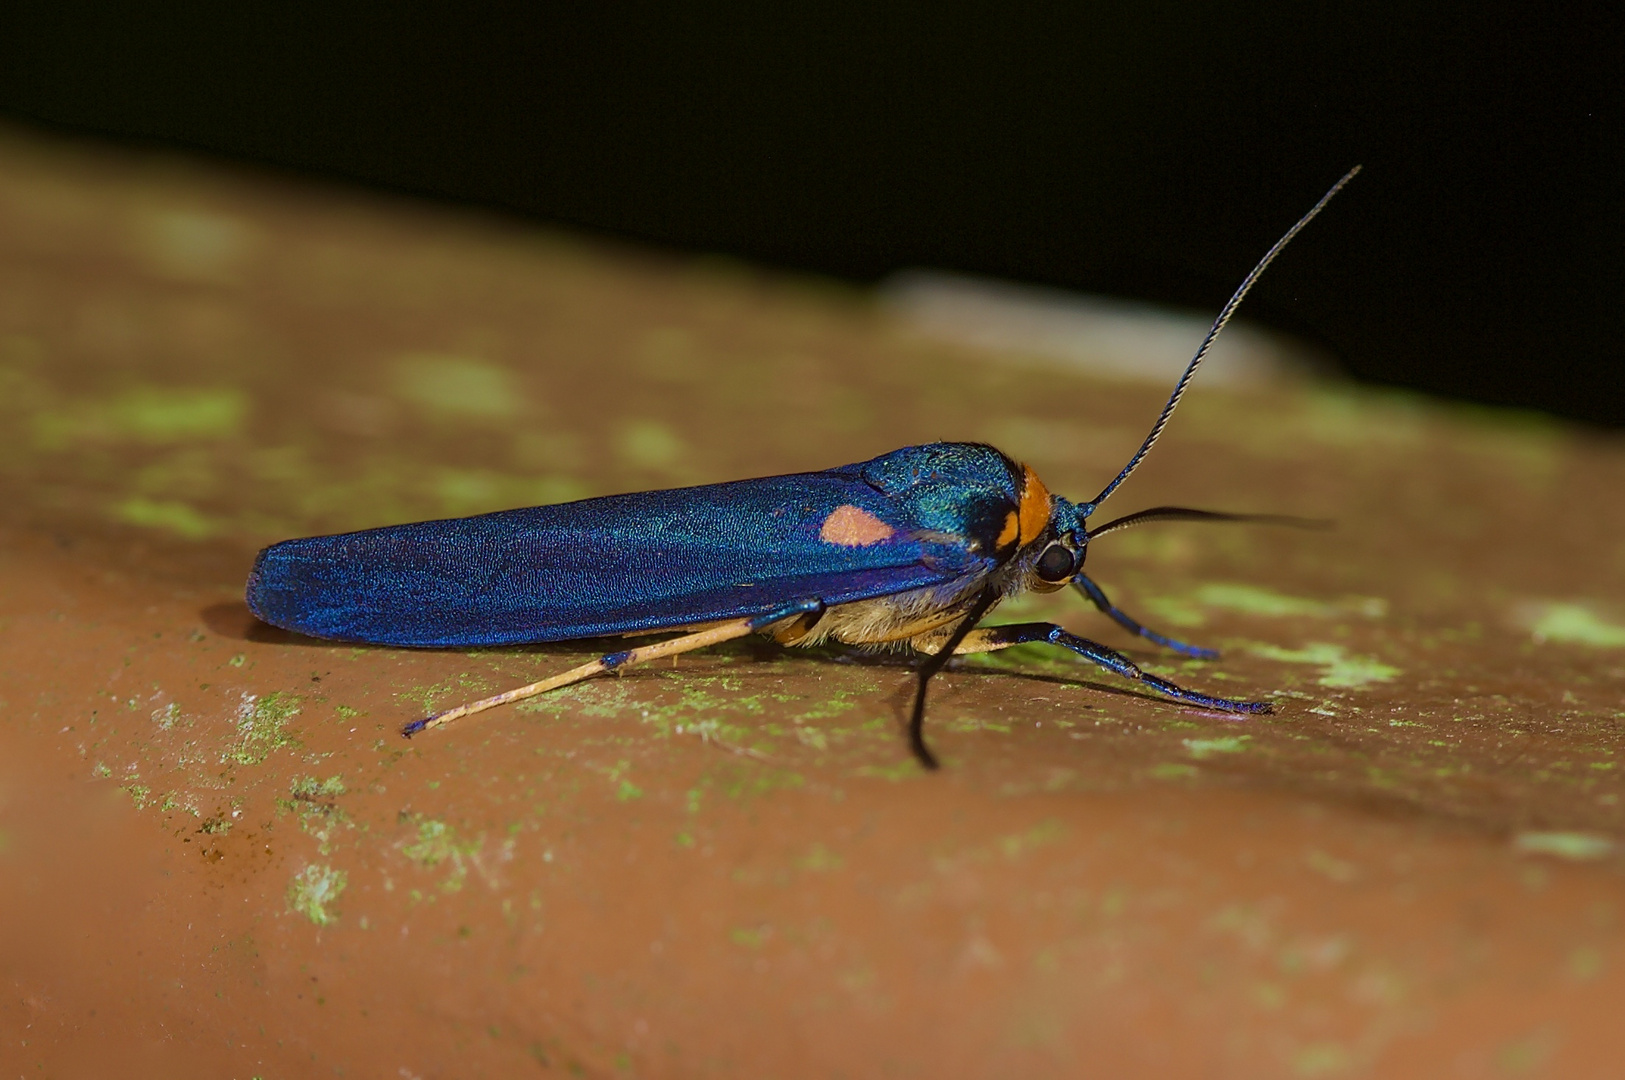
[{"x": 644, "y": 561}]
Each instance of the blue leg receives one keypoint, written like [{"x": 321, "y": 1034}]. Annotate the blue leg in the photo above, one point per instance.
[
  {"x": 1094, "y": 593},
  {"x": 1001, "y": 637}
]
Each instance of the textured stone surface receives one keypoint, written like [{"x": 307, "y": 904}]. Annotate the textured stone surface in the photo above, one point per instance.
[{"x": 219, "y": 859}]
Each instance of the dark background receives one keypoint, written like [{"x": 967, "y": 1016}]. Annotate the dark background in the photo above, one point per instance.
[{"x": 1143, "y": 149}]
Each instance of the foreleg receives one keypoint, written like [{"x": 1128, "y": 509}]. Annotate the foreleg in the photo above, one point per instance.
[
  {"x": 1098, "y": 596},
  {"x": 992, "y": 638}
]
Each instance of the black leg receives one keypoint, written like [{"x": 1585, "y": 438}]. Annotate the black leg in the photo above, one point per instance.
[
  {"x": 1094, "y": 593},
  {"x": 933, "y": 664},
  {"x": 1000, "y": 637}
]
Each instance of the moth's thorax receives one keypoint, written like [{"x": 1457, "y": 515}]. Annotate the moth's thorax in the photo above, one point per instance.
[
  {"x": 995, "y": 509},
  {"x": 1035, "y": 508}
]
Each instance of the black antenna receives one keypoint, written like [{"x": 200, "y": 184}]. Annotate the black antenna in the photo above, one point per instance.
[
  {"x": 1207, "y": 342},
  {"x": 1185, "y": 513}
]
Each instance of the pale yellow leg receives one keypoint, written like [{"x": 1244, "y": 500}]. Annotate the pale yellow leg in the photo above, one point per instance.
[
  {"x": 986, "y": 639},
  {"x": 714, "y": 635}
]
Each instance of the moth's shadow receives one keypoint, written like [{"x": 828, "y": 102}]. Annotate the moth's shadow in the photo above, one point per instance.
[
  {"x": 901, "y": 699},
  {"x": 232, "y": 619}
]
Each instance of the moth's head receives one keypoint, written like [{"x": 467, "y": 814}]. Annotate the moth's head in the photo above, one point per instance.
[{"x": 1047, "y": 535}]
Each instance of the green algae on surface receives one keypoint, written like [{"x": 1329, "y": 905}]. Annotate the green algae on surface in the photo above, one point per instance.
[
  {"x": 1578, "y": 846},
  {"x": 148, "y": 414},
  {"x": 1339, "y": 669},
  {"x": 177, "y": 517},
  {"x": 437, "y": 843},
  {"x": 1576, "y": 624},
  {"x": 456, "y": 386},
  {"x": 1527, "y": 1055},
  {"x": 1253, "y": 600},
  {"x": 625, "y": 790},
  {"x": 310, "y": 789},
  {"x": 262, "y": 726},
  {"x": 192, "y": 244},
  {"x": 1045, "y": 832},
  {"x": 1322, "y": 1059},
  {"x": 712, "y": 707},
  {"x": 313, "y": 891},
  {"x": 1172, "y": 770},
  {"x": 477, "y": 491},
  {"x": 1223, "y": 744},
  {"x": 648, "y": 444},
  {"x": 896, "y": 772},
  {"x": 750, "y": 937},
  {"x": 820, "y": 860}
]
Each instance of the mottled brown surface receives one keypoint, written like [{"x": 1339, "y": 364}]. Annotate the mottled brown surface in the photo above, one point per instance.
[{"x": 218, "y": 859}]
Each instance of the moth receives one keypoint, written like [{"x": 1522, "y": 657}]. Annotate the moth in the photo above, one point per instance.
[{"x": 912, "y": 550}]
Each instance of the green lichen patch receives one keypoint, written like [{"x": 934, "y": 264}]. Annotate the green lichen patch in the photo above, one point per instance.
[
  {"x": 475, "y": 491},
  {"x": 1528, "y": 1055},
  {"x": 895, "y": 772},
  {"x": 750, "y": 937},
  {"x": 313, "y": 891},
  {"x": 151, "y": 415},
  {"x": 437, "y": 844},
  {"x": 1176, "y": 611},
  {"x": 166, "y": 717},
  {"x": 1018, "y": 844},
  {"x": 433, "y": 697},
  {"x": 308, "y": 789},
  {"x": 456, "y": 386},
  {"x": 262, "y": 727},
  {"x": 820, "y": 860},
  {"x": 314, "y": 801},
  {"x": 1224, "y": 744},
  {"x": 1322, "y": 1059},
  {"x": 649, "y": 444},
  {"x": 1173, "y": 770},
  {"x": 1578, "y": 846},
  {"x": 1339, "y": 668},
  {"x": 625, "y": 789},
  {"x": 742, "y": 780},
  {"x": 1191, "y": 609},
  {"x": 192, "y": 244},
  {"x": 171, "y": 515},
  {"x": 1575, "y": 624},
  {"x": 715, "y": 708},
  {"x": 1252, "y": 600}
]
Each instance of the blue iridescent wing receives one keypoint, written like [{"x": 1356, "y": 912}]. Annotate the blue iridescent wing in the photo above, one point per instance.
[{"x": 627, "y": 563}]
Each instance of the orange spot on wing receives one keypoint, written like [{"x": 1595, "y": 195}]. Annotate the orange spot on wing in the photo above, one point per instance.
[
  {"x": 1034, "y": 505},
  {"x": 853, "y": 526}
]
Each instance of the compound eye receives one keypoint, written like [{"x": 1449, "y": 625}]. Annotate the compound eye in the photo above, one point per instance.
[{"x": 1057, "y": 563}]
